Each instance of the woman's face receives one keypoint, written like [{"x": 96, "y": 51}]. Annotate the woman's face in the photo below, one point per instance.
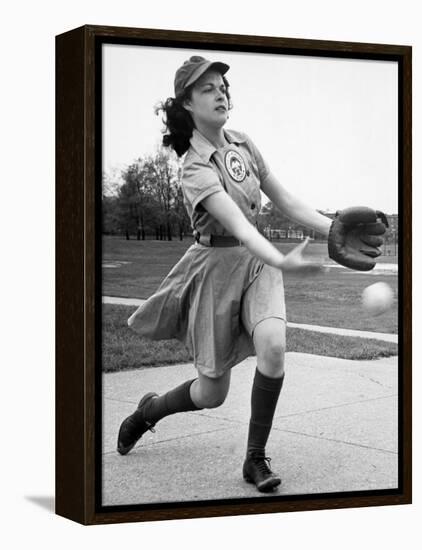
[{"x": 208, "y": 105}]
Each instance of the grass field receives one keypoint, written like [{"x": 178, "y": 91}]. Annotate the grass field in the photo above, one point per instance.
[
  {"x": 123, "y": 349},
  {"x": 136, "y": 268}
]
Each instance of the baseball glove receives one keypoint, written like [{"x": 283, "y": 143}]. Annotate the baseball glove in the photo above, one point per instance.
[{"x": 355, "y": 237}]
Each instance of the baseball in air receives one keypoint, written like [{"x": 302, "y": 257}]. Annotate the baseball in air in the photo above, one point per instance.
[{"x": 377, "y": 298}]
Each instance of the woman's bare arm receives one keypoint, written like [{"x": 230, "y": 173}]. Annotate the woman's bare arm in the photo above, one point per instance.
[
  {"x": 225, "y": 210},
  {"x": 294, "y": 208}
]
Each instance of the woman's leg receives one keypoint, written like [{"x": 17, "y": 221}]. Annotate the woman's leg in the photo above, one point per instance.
[
  {"x": 270, "y": 344},
  {"x": 269, "y": 339},
  {"x": 200, "y": 393},
  {"x": 208, "y": 393}
]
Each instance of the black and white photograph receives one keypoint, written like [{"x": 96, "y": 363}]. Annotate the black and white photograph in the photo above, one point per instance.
[
  {"x": 209, "y": 246},
  {"x": 250, "y": 275}
]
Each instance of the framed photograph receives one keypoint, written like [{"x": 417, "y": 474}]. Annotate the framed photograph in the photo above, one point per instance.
[{"x": 233, "y": 320}]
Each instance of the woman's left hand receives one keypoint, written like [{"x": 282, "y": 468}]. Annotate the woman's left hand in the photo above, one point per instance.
[{"x": 295, "y": 262}]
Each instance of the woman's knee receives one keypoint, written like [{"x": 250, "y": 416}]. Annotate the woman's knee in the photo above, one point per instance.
[
  {"x": 271, "y": 361},
  {"x": 270, "y": 345},
  {"x": 274, "y": 352},
  {"x": 211, "y": 392},
  {"x": 212, "y": 400},
  {"x": 270, "y": 341}
]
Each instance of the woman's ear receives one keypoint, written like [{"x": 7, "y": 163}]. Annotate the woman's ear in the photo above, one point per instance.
[{"x": 187, "y": 105}]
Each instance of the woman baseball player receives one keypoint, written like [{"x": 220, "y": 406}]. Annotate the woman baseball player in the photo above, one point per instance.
[{"x": 225, "y": 298}]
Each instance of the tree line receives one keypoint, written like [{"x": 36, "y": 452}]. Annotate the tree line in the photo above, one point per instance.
[{"x": 146, "y": 199}]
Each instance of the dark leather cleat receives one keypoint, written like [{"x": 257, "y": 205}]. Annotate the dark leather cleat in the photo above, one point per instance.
[
  {"x": 256, "y": 469},
  {"x": 134, "y": 427}
]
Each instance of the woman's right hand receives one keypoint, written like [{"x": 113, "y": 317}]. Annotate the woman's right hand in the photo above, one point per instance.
[{"x": 295, "y": 262}]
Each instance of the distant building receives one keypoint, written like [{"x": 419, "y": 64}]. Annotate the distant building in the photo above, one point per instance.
[
  {"x": 393, "y": 222},
  {"x": 298, "y": 233},
  {"x": 276, "y": 234},
  {"x": 295, "y": 234},
  {"x": 279, "y": 234}
]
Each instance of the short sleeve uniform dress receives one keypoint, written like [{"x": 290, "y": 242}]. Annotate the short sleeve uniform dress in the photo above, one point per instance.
[{"x": 214, "y": 297}]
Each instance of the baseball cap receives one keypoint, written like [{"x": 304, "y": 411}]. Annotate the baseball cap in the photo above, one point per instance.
[{"x": 192, "y": 69}]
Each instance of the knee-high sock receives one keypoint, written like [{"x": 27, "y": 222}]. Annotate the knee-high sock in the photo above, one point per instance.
[
  {"x": 174, "y": 401},
  {"x": 265, "y": 393}
]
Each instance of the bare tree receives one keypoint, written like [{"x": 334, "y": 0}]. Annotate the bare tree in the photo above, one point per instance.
[{"x": 150, "y": 199}]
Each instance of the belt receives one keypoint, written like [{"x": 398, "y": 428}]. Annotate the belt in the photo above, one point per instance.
[{"x": 217, "y": 240}]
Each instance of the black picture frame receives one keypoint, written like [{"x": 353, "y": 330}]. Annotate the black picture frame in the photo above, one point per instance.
[{"x": 78, "y": 265}]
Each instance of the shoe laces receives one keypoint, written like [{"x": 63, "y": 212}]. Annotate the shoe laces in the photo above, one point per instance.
[
  {"x": 138, "y": 428},
  {"x": 263, "y": 463},
  {"x": 150, "y": 426}
]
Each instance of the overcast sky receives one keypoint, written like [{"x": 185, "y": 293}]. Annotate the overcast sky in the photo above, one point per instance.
[{"x": 327, "y": 127}]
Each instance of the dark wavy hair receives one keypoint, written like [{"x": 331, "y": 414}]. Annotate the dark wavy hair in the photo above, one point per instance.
[{"x": 178, "y": 123}]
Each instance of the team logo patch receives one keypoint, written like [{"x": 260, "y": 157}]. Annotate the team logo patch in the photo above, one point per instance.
[{"x": 235, "y": 165}]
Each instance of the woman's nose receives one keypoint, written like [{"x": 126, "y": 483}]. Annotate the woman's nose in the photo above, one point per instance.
[{"x": 220, "y": 94}]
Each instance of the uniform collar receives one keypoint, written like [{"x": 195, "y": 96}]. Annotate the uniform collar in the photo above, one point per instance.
[{"x": 205, "y": 148}]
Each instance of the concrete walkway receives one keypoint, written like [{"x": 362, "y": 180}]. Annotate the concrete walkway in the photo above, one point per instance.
[
  {"x": 386, "y": 337},
  {"x": 335, "y": 430}
]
